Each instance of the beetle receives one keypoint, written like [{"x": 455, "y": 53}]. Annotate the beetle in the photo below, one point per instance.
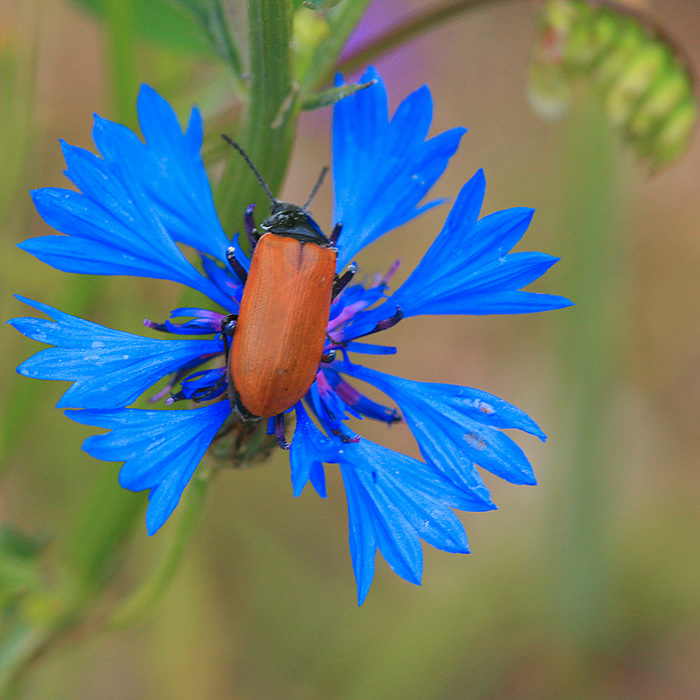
[{"x": 279, "y": 333}]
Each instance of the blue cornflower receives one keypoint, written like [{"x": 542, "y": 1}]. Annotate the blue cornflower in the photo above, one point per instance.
[{"x": 140, "y": 200}]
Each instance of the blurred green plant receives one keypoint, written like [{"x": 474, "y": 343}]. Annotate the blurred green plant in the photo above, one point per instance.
[{"x": 644, "y": 78}]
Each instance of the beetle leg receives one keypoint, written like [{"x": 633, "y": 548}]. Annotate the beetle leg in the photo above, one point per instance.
[
  {"x": 279, "y": 432},
  {"x": 345, "y": 438},
  {"x": 386, "y": 323},
  {"x": 335, "y": 235},
  {"x": 245, "y": 414},
  {"x": 235, "y": 265},
  {"x": 253, "y": 234},
  {"x": 227, "y": 330},
  {"x": 342, "y": 281},
  {"x": 210, "y": 390}
]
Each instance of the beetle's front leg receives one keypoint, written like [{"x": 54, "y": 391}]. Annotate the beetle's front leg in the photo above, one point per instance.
[
  {"x": 342, "y": 281},
  {"x": 236, "y": 266}
]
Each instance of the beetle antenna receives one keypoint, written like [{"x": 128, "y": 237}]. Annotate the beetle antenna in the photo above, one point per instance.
[
  {"x": 247, "y": 159},
  {"x": 319, "y": 182}
]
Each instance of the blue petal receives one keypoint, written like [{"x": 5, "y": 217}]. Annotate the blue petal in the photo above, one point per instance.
[
  {"x": 370, "y": 349},
  {"x": 393, "y": 502},
  {"x": 383, "y": 169},
  {"x": 454, "y": 427},
  {"x": 467, "y": 270},
  {"x": 160, "y": 449},
  {"x": 171, "y": 172},
  {"x": 110, "y": 368},
  {"x": 205, "y": 385},
  {"x": 310, "y": 448},
  {"x": 224, "y": 279},
  {"x": 136, "y": 201},
  {"x": 100, "y": 243},
  {"x": 363, "y": 545},
  {"x": 355, "y": 400}
]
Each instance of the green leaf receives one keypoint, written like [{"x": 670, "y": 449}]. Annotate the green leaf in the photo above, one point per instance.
[
  {"x": 163, "y": 23},
  {"x": 213, "y": 19},
  {"x": 333, "y": 95}
]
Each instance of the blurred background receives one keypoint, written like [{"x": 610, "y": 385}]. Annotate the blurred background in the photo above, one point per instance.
[{"x": 583, "y": 587}]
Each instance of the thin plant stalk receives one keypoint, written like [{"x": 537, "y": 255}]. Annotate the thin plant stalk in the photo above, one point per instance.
[{"x": 590, "y": 355}]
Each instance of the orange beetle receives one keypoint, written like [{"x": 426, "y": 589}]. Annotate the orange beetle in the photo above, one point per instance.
[{"x": 280, "y": 330}]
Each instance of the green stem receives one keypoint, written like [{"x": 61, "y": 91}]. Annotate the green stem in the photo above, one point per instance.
[
  {"x": 105, "y": 521},
  {"x": 590, "y": 357},
  {"x": 25, "y": 645},
  {"x": 267, "y": 133},
  {"x": 142, "y": 601}
]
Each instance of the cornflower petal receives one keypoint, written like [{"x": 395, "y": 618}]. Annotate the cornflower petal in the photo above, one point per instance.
[
  {"x": 205, "y": 385},
  {"x": 455, "y": 426},
  {"x": 467, "y": 269},
  {"x": 110, "y": 369},
  {"x": 121, "y": 224},
  {"x": 160, "y": 449},
  {"x": 310, "y": 448},
  {"x": 393, "y": 502},
  {"x": 360, "y": 403},
  {"x": 174, "y": 176},
  {"x": 383, "y": 169}
]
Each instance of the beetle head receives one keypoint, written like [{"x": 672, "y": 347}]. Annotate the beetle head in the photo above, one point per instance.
[
  {"x": 291, "y": 220},
  {"x": 287, "y": 219}
]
